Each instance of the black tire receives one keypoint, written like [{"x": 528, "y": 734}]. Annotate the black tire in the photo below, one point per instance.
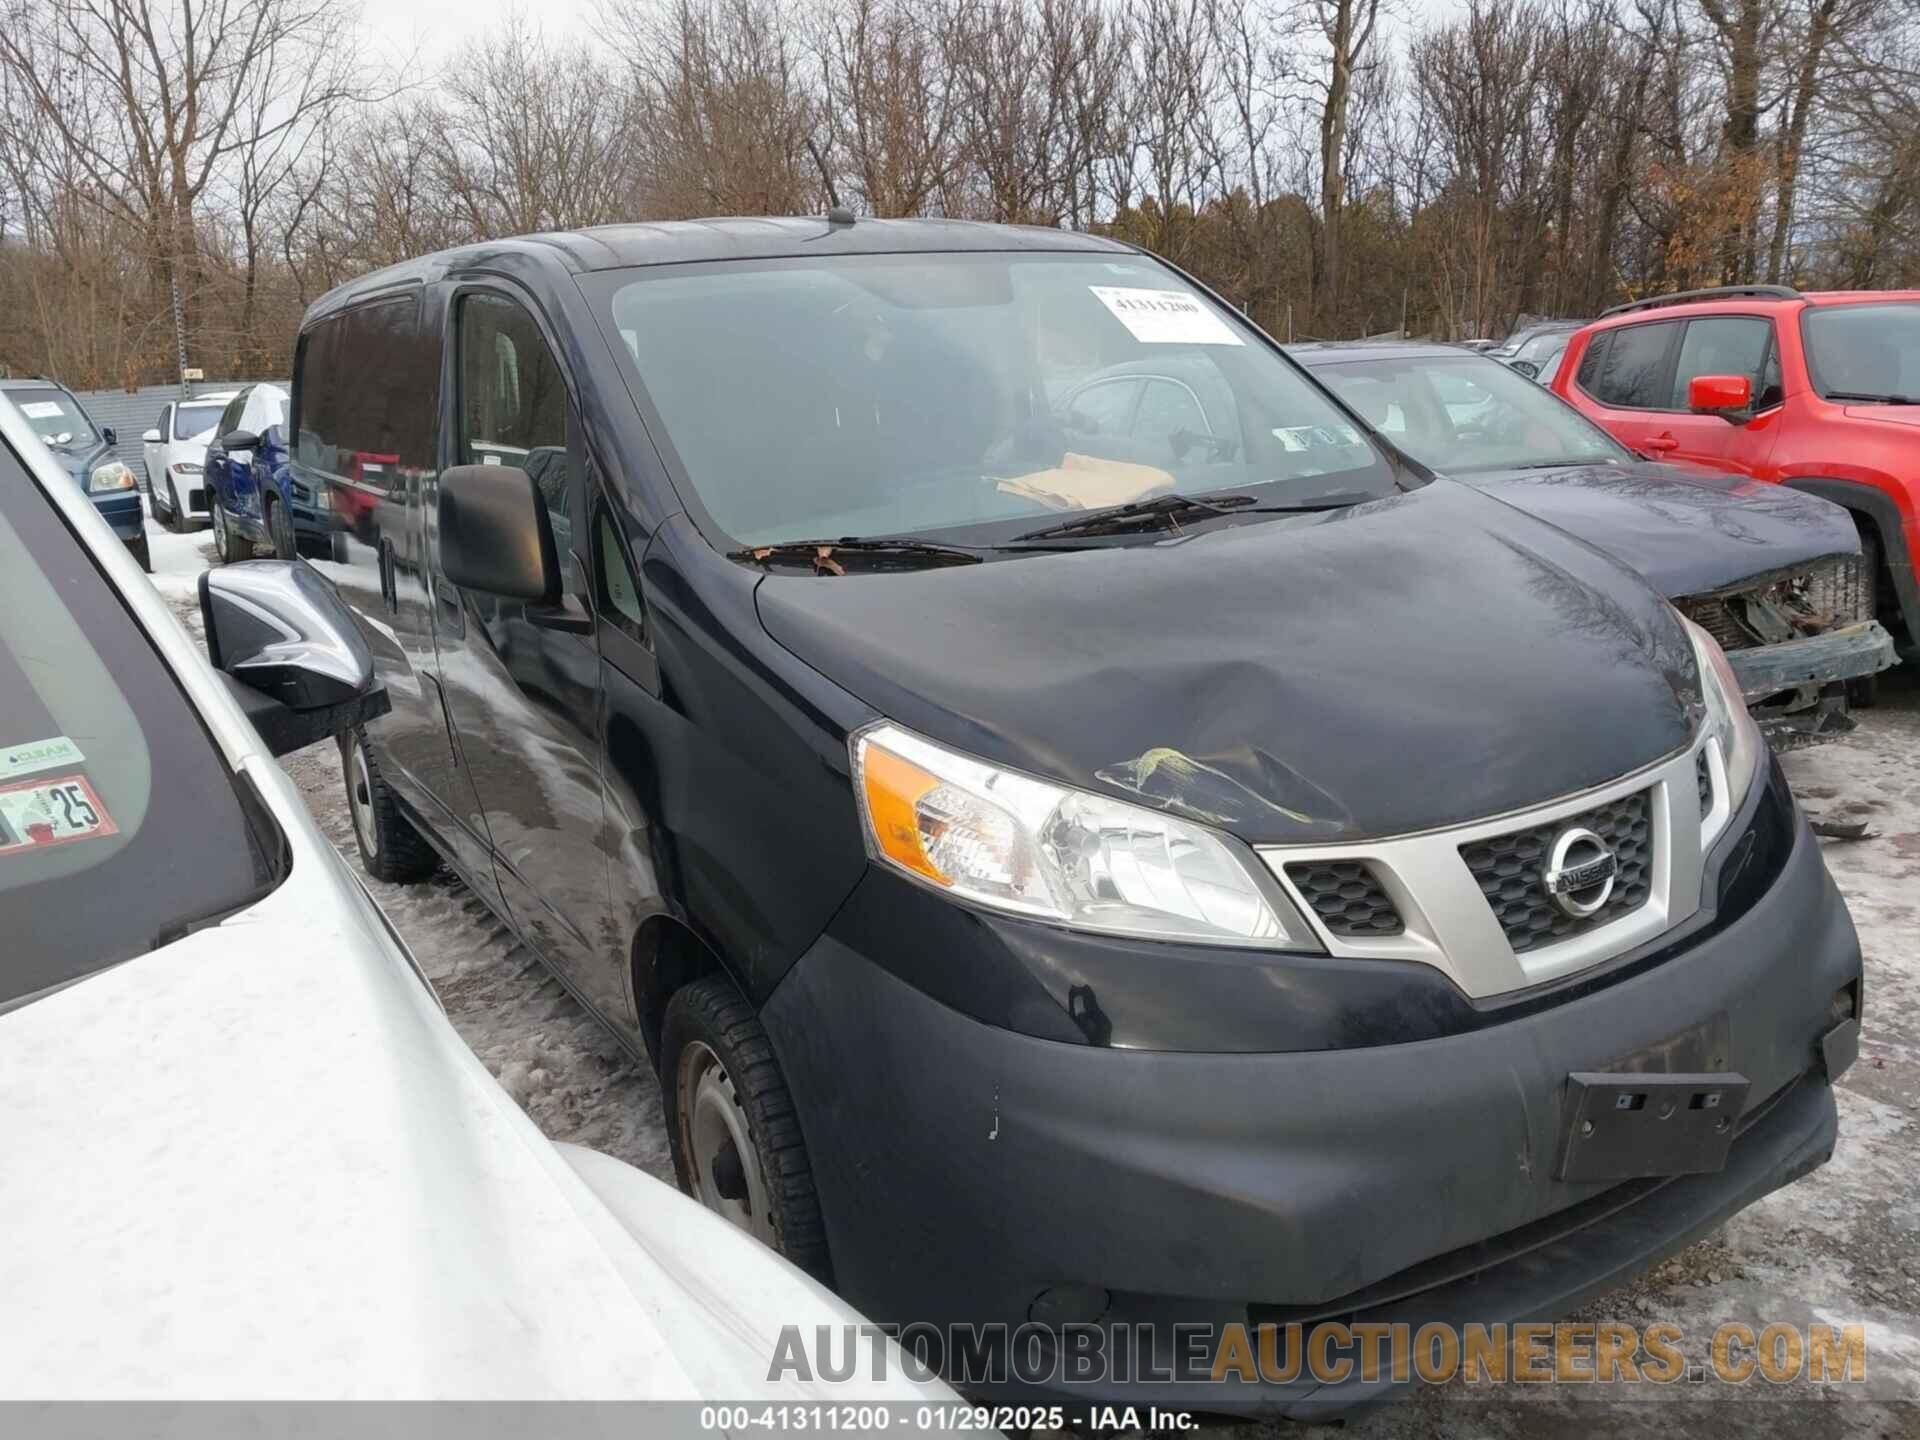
[
  {"x": 228, "y": 543},
  {"x": 140, "y": 551},
  {"x": 176, "y": 518},
  {"x": 710, "y": 1020},
  {"x": 390, "y": 848},
  {"x": 280, "y": 527}
]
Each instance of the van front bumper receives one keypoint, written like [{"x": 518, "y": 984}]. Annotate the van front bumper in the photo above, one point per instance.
[{"x": 973, "y": 1175}]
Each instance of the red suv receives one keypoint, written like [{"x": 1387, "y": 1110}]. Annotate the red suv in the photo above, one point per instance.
[{"x": 1819, "y": 391}]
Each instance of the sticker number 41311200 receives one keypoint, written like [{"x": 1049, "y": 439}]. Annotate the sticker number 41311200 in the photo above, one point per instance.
[{"x": 51, "y": 812}]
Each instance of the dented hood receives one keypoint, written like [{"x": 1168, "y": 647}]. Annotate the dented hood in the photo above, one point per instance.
[
  {"x": 1688, "y": 532},
  {"x": 1412, "y": 662}
]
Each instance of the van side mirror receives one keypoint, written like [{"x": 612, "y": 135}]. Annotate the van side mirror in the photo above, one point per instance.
[
  {"x": 237, "y": 440},
  {"x": 495, "y": 534},
  {"x": 290, "y": 650},
  {"x": 1728, "y": 396}
]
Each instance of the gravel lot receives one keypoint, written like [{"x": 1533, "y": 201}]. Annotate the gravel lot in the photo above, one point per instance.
[{"x": 1840, "y": 1247}]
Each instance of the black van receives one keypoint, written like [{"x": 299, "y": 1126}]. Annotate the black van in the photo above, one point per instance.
[{"x": 1084, "y": 849}]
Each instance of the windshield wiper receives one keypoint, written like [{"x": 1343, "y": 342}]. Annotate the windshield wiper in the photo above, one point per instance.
[
  {"x": 821, "y": 554},
  {"x": 1867, "y": 397},
  {"x": 1138, "y": 513}
]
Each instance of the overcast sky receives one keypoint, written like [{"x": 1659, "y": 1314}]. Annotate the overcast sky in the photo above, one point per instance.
[{"x": 440, "y": 26}]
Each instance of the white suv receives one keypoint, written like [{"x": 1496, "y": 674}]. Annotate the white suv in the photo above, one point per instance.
[{"x": 175, "y": 453}]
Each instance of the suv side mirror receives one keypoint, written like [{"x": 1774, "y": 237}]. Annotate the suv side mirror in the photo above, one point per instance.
[
  {"x": 151, "y": 437},
  {"x": 290, "y": 650},
  {"x": 495, "y": 534},
  {"x": 1728, "y": 396},
  {"x": 237, "y": 440}
]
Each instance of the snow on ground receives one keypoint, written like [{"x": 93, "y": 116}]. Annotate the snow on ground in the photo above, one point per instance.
[{"x": 1841, "y": 1246}]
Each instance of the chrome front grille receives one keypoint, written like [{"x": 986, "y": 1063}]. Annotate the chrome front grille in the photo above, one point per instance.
[
  {"x": 1472, "y": 900},
  {"x": 1510, "y": 871}
]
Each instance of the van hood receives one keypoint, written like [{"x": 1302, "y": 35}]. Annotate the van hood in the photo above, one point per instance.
[
  {"x": 1412, "y": 662},
  {"x": 259, "y": 1164},
  {"x": 1685, "y": 531}
]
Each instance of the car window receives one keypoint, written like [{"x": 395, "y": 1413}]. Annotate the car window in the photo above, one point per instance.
[
  {"x": 1587, "y": 377},
  {"x": 1722, "y": 345},
  {"x": 119, "y": 823},
  {"x": 1168, "y": 408},
  {"x": 192, "y": 420},
  {"x": 1634, "y": 371},
  {"x": 230, "y": 417},
  {"x": 1105, "y": 408},
  {"x": 56, "y": 417},
  {"x": 1864, "y": 350},
  {"x": 365, "y": 406},
  {"x": 973, "y": 394},
  {"x": 619, "y": 591},
  {"x": 514, "y": 406},
  {"x": 1429, "y": 404}
]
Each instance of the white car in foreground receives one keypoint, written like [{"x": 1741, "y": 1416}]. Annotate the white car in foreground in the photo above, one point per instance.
[
  {"x": 243, "y": 1154},
  {"x": 175, "y": 454}
]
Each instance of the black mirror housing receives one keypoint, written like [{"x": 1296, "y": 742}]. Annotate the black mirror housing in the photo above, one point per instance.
[
  {"x": 495, "y": 534},
  {"x": 109, "y": 434},
  {"x": 291, "y": 652}
]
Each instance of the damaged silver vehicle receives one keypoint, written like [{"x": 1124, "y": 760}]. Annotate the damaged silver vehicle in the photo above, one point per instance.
[{"x": 1775, "y": 575}]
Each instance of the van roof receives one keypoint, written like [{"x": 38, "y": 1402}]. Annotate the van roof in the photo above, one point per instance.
[{"x": 680, "y": 242}]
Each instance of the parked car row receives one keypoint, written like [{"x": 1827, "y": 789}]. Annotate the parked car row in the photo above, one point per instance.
[{"x": 1095, "y": 820}]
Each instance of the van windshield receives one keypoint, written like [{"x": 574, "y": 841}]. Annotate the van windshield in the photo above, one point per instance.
[
  {"x": 1864, "y": 352},
  {"x": 969, "y": 395}
]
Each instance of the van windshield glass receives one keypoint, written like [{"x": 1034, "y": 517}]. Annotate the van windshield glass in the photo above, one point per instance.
[{"x": 971, "y": 395}]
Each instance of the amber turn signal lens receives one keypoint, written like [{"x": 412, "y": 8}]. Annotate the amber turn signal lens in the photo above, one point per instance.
[{"x": 894, "y": 789}]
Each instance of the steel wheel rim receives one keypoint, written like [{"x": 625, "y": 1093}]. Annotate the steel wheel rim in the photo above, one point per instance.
[
  {"x": 360, "y": 798},
  {"x": 727, "y": 1177}
]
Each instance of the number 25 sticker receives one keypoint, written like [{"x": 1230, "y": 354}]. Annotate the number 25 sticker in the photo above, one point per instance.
[{"x": 60, "y": 811}]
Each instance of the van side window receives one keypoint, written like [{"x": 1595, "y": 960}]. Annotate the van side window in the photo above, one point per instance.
[
  {"x": 619, "y": 591},
  {"x": 1633, "y": 374},
  {"x": 366, "y": 394},
  {"x": 513, "y": 405},
  {"x": 1723, "y": 345}
]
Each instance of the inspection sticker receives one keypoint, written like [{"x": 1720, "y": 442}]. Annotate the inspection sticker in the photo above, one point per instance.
[
  {"x": 38, "y": 813},
  {"x": 41, "y": 409},
  {"x": 1165, "y": 317},
  {"x": 40, "y": 755}
]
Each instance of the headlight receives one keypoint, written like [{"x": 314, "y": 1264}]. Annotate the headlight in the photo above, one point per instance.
[
  {"x": 1010, "y": 842},
  {"x": 110, "y": 476},
  {"x": 185, "y": 467},
  {"x": 1728, "y": 722}
]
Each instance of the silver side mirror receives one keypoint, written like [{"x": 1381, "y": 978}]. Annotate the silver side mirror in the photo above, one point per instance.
[{"x": 290, "y": 651}]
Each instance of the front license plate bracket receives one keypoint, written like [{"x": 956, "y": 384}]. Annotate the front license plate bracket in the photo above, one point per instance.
[{"x": 1627, "y": 1127}]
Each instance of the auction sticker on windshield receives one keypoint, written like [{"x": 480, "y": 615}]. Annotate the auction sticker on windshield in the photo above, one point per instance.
[
  {"x": 1165, "y": 317},
  {"x": 39, "y": 813},
  {"x": 42, "y": 410}
]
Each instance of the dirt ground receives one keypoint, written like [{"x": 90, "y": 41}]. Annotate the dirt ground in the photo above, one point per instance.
[{"x": 1840, "y": 1247}]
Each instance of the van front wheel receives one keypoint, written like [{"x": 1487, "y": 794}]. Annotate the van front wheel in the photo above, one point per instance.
[
  {"x": 390, "y": 848},
  {"x": 737, "y": 1146}
]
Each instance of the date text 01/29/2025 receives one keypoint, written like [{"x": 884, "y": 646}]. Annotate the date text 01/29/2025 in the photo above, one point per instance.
[{"x": 956, "y": 1417}]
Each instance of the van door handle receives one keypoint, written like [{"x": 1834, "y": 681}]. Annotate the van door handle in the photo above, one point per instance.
[{"x": 1663, "y": 443}]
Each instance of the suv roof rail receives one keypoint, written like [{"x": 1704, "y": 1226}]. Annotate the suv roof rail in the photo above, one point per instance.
[{"x": 1712, "y": 292}]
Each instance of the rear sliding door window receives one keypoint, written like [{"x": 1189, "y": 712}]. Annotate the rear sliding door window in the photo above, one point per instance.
[
  {"x": 367, "y": 394},
  {"x": 1633, "y": 372}
]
